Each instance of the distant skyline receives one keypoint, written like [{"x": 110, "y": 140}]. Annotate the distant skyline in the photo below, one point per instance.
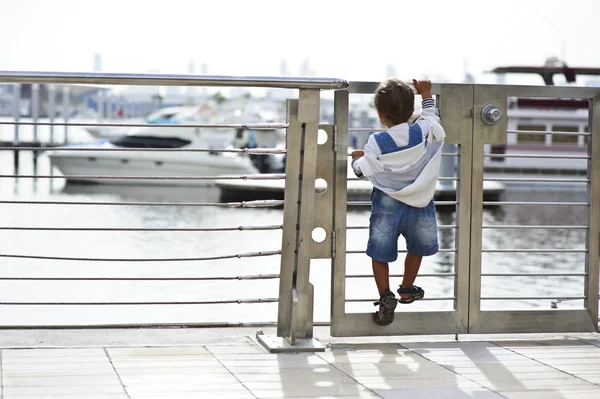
[{"x": 352, "y": 40}]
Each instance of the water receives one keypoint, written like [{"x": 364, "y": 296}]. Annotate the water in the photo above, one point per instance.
[{"x": 146, "y": 245}]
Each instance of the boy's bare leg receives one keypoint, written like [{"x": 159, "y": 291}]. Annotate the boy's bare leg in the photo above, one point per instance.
[
  {"x": 381, "y": 272},
  {"x": 411, "y": 269}
]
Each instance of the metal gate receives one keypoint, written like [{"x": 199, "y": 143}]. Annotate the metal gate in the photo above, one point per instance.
[
  {"x": 474, "y": 116},
  {"x": 489, "y": 103}
]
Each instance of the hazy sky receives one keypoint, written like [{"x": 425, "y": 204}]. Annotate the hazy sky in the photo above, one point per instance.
[{"x": 356, "y": 40}]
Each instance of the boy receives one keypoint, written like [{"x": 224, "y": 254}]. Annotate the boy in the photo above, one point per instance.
[{"x": 403, "y": 165}]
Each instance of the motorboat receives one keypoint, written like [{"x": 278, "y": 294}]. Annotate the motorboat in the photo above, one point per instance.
[{"x": 79, "y": 163}]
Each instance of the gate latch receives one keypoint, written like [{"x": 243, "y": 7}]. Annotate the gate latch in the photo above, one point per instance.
[{"x": 490, "y": 114}]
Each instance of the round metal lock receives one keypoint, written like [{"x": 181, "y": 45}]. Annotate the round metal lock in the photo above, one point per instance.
[{"x": 490, "y": 114}]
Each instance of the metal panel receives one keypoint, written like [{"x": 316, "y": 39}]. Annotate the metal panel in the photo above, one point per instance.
[
  {"x": 490, "y": 134},
  {"x": 532, "y": 321},
  {"x": 593, "y": 239},
  {"x": 408, "y": 323},
  {"x": 455, "y": 102},
  {"x": 323, "y": 214},
  {"x": 520, "y": 321},
  {"x": 308, "y": 116},
  {"x": 290, "y": 216}
]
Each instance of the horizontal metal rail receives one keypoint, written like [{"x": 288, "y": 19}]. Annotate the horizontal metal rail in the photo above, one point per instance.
[
  {"x": 537, "y": 250},
  {"x": 441, "y": 178},
  {"x": 223, "y": 302},
  {"x": 533, "y": 274},
  {"x": 534, "y": 180},
  {"x": 243, "y": 204},
  {"x": 402, "y": 251},
  {"x": 444, "y": 154},
  {"x": 535, "y": 156},
  {"x": 150, "y": 229},
  {"x": 544, "y": 132},
  {"x": 280, "y": 82},
  {"x": 256, "y": 151},
  {"x": 255, "y": 126},
  {"x": 368, "y": 203},
  {"x": 529, "y": 298},
  {"x": 366, "y": 129},
  {"x": 399, "y": 275},
  {"x": 265, "y": 176},
  {"x": 535, "y": 203},
  {"x": 441, "y": 226},
  {"x": 249, "y": 277},
  {"x": 423, "y": 299},
  {"x": 189, "y": 259},
  {"x": 521, "y": 226}
]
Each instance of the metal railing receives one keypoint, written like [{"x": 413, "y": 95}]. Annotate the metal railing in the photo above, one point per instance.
[
  {"x": 468, "y": 185},
  {"x": 304, "y": 85}
]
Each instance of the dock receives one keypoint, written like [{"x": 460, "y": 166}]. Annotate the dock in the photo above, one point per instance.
[{"x": 358, "y": 190}]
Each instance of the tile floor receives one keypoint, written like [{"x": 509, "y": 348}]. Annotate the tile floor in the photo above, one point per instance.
[{"x": 548, "y": 369}]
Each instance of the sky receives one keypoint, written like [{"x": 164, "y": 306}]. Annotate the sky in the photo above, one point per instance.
[{"x": 354, "y": 40}]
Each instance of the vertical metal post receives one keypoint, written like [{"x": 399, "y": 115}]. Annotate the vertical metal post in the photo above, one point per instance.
[
  {"x": 340, "y": 195},
  {"x": 16, "y": 111},
  {"x": 482, "y": 134},
  {"x": 308, "y": 116},
  {"x": 35, "y": 108},
  {"x": 65, "y": 110},
  {"x": 51, "y": 109},
  {"x": 296, "y": 293},
  {"x": 290, "y": 216},
  {"x": 455, "y": 104},
  {"x": 591, "y": 290}
]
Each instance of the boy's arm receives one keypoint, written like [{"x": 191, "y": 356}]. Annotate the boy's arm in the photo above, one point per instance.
[
  {"x": 430, "y": 113},
  {"x": 366, "y": 163}
]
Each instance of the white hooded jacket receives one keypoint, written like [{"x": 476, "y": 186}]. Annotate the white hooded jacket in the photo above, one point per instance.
[{"x": 404, "y": 162}]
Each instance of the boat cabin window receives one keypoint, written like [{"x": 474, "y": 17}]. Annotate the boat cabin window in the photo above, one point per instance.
[
  {"x": 149, "y": 142},
  {"x": 531, "y": 138}
]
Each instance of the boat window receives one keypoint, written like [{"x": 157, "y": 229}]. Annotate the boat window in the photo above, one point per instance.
[
  {"x": 564, "y": 138},
  {"x": 531, "y": 138},
  {"x": 149, "y": 142}
]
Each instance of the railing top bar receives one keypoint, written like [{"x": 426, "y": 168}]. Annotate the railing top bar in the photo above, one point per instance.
[
  {"x": 282, "y": 82},
  {"x": 550, "y": 91},
  {"x": 369, "y": 87},
  {"x": 511, "y": 90}
]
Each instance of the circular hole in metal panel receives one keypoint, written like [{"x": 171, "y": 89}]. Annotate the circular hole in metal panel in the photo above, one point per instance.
[
  {"x": 319, "y": 234},
  {"x": 320, "y": 186},
  {"x": 322, "y": 137}
]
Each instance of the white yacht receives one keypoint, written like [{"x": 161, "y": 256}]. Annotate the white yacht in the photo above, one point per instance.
[{"x": 158, "y": 163}]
